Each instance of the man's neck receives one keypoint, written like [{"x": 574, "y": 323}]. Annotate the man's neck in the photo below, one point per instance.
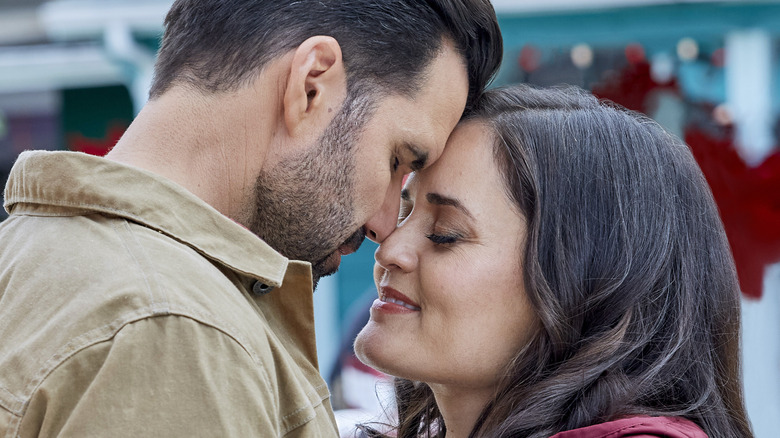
[{"x": 212, "y": 145}]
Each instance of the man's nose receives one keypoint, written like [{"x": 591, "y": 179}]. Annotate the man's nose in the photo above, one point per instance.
[{"x": 385, "y": 220}]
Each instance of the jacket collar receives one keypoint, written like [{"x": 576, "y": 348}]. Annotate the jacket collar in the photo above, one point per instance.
[{"x": 62, "y": 183}]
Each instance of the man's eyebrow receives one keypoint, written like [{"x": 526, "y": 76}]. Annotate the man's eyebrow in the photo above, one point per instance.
[
  {"x": 437, "y": 199},
  {"x": 420, "y": 157}
]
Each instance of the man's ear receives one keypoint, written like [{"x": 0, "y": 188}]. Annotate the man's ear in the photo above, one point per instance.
[{"x": 316, "y": 85}]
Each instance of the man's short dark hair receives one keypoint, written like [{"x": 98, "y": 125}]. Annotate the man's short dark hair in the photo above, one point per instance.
[{"x": 221, "y": 45}]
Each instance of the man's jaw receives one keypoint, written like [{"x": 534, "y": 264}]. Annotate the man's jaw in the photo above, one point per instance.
[
  {"x": 353, "y": 242},
  {"x": 330, "y": 264}
]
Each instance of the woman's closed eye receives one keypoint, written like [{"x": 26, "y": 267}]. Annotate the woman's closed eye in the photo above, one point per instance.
[{"x": 444, "y": 238}]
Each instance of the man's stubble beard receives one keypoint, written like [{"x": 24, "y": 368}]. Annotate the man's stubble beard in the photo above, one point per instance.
[{"x": 303, "y": 207}]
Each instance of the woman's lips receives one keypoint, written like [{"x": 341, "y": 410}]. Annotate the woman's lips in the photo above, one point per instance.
[{"x": 390, "y": 295}]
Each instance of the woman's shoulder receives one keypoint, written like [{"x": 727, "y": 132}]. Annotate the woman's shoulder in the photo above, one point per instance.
[{"x": 638, "y": 427}]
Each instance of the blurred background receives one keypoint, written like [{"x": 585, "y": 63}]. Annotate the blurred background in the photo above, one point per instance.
[{"x": 74, "y": 72}]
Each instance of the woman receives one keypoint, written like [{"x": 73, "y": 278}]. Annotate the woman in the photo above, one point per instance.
[{"x": 560, "y": 271}]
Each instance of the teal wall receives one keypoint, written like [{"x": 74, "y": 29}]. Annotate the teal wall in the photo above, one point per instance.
[
  {"x": 355, "y": 281},
  {"x": 656, "y": 28}
]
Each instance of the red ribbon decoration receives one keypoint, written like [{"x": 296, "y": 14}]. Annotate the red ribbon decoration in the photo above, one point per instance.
[{"x": 748, "y": 198}]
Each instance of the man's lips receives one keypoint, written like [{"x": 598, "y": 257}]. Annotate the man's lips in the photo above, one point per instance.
[{"x": 390, "y": 295}]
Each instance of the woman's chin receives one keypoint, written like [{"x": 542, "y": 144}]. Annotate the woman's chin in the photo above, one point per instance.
[
  {"x": 370, "y": 350},
  {"x": 363, "y": 347}
]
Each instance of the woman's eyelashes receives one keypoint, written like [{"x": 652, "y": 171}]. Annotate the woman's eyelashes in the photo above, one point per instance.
[
  {"x": 444, "y": 238},
  {"x": 439, "y": 238},
  {"x": 439, "y": 234}
]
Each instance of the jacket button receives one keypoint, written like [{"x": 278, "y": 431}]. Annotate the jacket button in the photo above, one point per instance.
[{"x": 260, "y": 288}]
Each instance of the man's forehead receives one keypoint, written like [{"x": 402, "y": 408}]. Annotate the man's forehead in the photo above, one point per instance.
[
  {"x": 446, "y": 79},
  {"x": 446, "y": 90}
]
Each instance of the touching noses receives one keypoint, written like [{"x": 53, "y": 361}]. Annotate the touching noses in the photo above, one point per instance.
[
  {"x": 395, "y": 250},
  {"x": 384, "y": 221}
]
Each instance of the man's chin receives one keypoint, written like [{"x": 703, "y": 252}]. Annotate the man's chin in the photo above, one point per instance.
[
  {"x": 330, "y": 264},
  {"x": 325, "y": 267}
]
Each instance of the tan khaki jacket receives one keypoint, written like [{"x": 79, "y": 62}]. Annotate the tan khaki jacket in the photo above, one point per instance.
[{"x": 129, "y": 308}]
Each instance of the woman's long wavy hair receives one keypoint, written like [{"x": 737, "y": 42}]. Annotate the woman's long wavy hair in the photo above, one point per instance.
[{"x": 626, "y": 266}]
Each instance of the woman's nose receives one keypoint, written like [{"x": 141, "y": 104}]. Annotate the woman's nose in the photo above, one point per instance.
[{"x": 398, "y": 251}]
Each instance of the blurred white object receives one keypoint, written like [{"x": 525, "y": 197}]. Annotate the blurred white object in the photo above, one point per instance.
[
  {"x": 582, "y": 56},
  {"x": 509, "y": 6},
  {"x": 347, "y": 419},
  {"x": 370, "y": 396},
  {"x": 662, "y": 68},
  {"x": 52, "y": 67},
  {"x": 761, "y": 355},
  {"x": 688, "y": 49},
  {"x": 372, "y": 392},
  {"x": 749, "y": 91},
  {"x": 326, "y": 323},
  {"x": 80, "y": 19}
]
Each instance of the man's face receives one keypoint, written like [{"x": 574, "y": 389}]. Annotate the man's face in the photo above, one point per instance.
[
  {"x": 319, "y": 204},
  {"x": 304, "y": 205}
]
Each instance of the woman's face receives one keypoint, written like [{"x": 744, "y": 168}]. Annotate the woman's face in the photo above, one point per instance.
[{"x": 451, "y": 307}]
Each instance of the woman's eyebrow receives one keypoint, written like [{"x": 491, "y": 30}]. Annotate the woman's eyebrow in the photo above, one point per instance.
[{"x": 437, "y": 199}]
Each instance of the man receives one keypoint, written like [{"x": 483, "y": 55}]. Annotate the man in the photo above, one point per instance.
[{"x": 136, "y": 298}]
